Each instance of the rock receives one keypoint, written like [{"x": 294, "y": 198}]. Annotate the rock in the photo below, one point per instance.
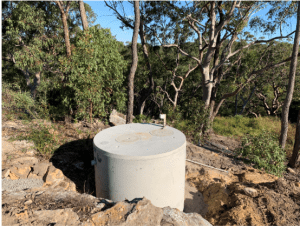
[
  {"x": 175, "y": 217},
  {"x": 144, "y": 214},
  {"x": 30, "y": 161},
  {"x": 98, "y": 208},
  {"x": 11, "y": 197},
  {"x": 13, "y": 176},
  {"x": 117, "y": 118},
  {"x": 113, "y": 216},
  {"x": 28, "y": 202},
  {"x": 41, "y": 168},
  {"x": 297, "y": 184},
  {"x": 60, "y": 217},
  {"x": 30, "y": 152},
  {"x": 56, "y": 178},
  {"x": 290, "y": 170},
  {"x": 5, "y": 173},
  {"x": 54, "y": 175},
  {"x": 251, "y": 192},
  {"x": 19, "y": 171}
]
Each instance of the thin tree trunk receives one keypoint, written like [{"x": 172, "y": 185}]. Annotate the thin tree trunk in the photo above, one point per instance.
[
  {"x": 290, "y": 89},
  {"x": 64, "y": 15},
  {"x": 295, "y": 159},
  {"x": 83, "y": 15},
  {"x": 129, "y": 116},
  {"x": 37, "y": 81},
  {"x": 145, "y": 93}
]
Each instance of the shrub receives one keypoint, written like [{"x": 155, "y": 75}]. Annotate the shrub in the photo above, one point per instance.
[
  {"x": 264, "y": 151},
  {"x": 95, "y": 74}
]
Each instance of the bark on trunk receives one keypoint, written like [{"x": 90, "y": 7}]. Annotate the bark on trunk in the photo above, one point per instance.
[
  {"x": 290, "y": 89},
  {"x": 83, "y": 15},
  {"x": 37, "y": 81},
  {"x": 145, "y": 93},
  {"x": 295, "y": 159},
  {"x": 129, "y": 116},
  {"x": 64, "y": 15}
]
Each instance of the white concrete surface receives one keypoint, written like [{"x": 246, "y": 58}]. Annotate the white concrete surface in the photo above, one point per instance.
[{"x": 141, "y": 160}]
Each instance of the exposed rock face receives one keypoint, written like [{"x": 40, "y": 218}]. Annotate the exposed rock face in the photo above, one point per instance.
[
  {"x": 60, "y": 217},
  {"x": 56, "y": 206}
]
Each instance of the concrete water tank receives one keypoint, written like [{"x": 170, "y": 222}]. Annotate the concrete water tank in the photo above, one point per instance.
[{"x": 141, "y": 160}]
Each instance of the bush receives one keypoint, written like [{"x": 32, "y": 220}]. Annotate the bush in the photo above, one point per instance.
[
  {"x": 20, "y": 104},
  {"x": 95, "y": 74},
  {"x": 264, "y": 151}
]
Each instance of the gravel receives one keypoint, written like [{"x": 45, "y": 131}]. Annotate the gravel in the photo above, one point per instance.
[{"x": 20, "y": 184}]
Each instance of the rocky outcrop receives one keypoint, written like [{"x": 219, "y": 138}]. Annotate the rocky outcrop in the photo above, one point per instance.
[{"x": 56, "y": 206}]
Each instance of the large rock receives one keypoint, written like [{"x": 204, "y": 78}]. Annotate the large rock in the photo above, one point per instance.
[
  {"x": 19, "y": 172},
  {"x": 117, "y": 118},
  {"x": 144, "y": 213},
  {"x": 113, "y": 216},
  {"x": 55, "y": 178},
  {"x": 30, "y": 161},
  {"x": 175, "y": 217},
  {"x": 60, "y": 217}
]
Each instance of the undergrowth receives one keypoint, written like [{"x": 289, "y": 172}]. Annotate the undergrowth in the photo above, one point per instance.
[
  {"x": 239, "y": 126},
  {"x": 264, "y": 151}
]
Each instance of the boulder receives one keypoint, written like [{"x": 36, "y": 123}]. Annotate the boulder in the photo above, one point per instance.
[
  {"x": 175, "y": 217},
  {"x": 113, "y": 216},
  {"x": 117, "y": 118},
  {"x": 41, "y": 168},
  {"x": 19, "y": 172},
  {"x": 60, "y": 217},
  {"x": 144, "y": 213},
  {"x": 55, "y": 178},
  {"x": 30, "y": 161}
]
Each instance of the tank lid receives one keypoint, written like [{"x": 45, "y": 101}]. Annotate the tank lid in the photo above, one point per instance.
[{"x": 139, "y": 139}]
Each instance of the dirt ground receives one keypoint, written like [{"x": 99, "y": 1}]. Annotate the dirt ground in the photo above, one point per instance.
[{"x": 238, "y": 195}]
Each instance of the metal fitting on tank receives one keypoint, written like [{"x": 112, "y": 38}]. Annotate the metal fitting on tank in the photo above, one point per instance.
[{"x": 163, "y": 117}]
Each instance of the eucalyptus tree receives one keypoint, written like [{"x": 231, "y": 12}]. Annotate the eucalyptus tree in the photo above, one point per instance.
[
  {"x": 83, "y": 15},
  {"x": 213, "y": 23},
  {"x": 118, "y": 8},
  {"x": 32, "y": 38},
  {"x": 134, "y": 63},
  {"x": 291, "y": 84}
]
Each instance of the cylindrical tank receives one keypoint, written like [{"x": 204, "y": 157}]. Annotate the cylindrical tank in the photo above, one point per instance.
[{"x": 141, "y": 160}]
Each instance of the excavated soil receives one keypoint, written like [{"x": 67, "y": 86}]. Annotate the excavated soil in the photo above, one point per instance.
[
  {"x": 273, "y": 201},
  {"x": 221, "y": 194}
]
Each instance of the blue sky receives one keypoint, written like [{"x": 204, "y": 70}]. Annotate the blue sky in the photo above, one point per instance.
[{"x": 107, "y": 19}]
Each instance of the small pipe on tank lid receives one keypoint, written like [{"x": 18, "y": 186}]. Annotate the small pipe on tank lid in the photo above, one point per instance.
[{"x": 164, "y": 117}]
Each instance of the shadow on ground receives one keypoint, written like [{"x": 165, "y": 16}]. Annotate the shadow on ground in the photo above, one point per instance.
[{"x": 74, "y": 160}]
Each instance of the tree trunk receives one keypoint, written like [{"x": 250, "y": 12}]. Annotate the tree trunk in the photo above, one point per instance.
[
  {"x": 290, "y": 89},
  {"x": 64, "y": 15},
  {"x": 145, "y": 93},
  {"x": 295, "y": 159},
  {"x": 37, "y": 81},
  {"x": 83, "y": 15},
  {"x": 129, "y": 116}
]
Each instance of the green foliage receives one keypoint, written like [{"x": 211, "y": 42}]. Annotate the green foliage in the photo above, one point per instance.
[
  {"x": 20, "y": 103},
  {"x": 239, "y": 125},
  {"x": 265, "y": 152},
  {"x": 44, "y": 141},
  {"x": 141, "y": 119},
  {"x": 95, "y": 74}
]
